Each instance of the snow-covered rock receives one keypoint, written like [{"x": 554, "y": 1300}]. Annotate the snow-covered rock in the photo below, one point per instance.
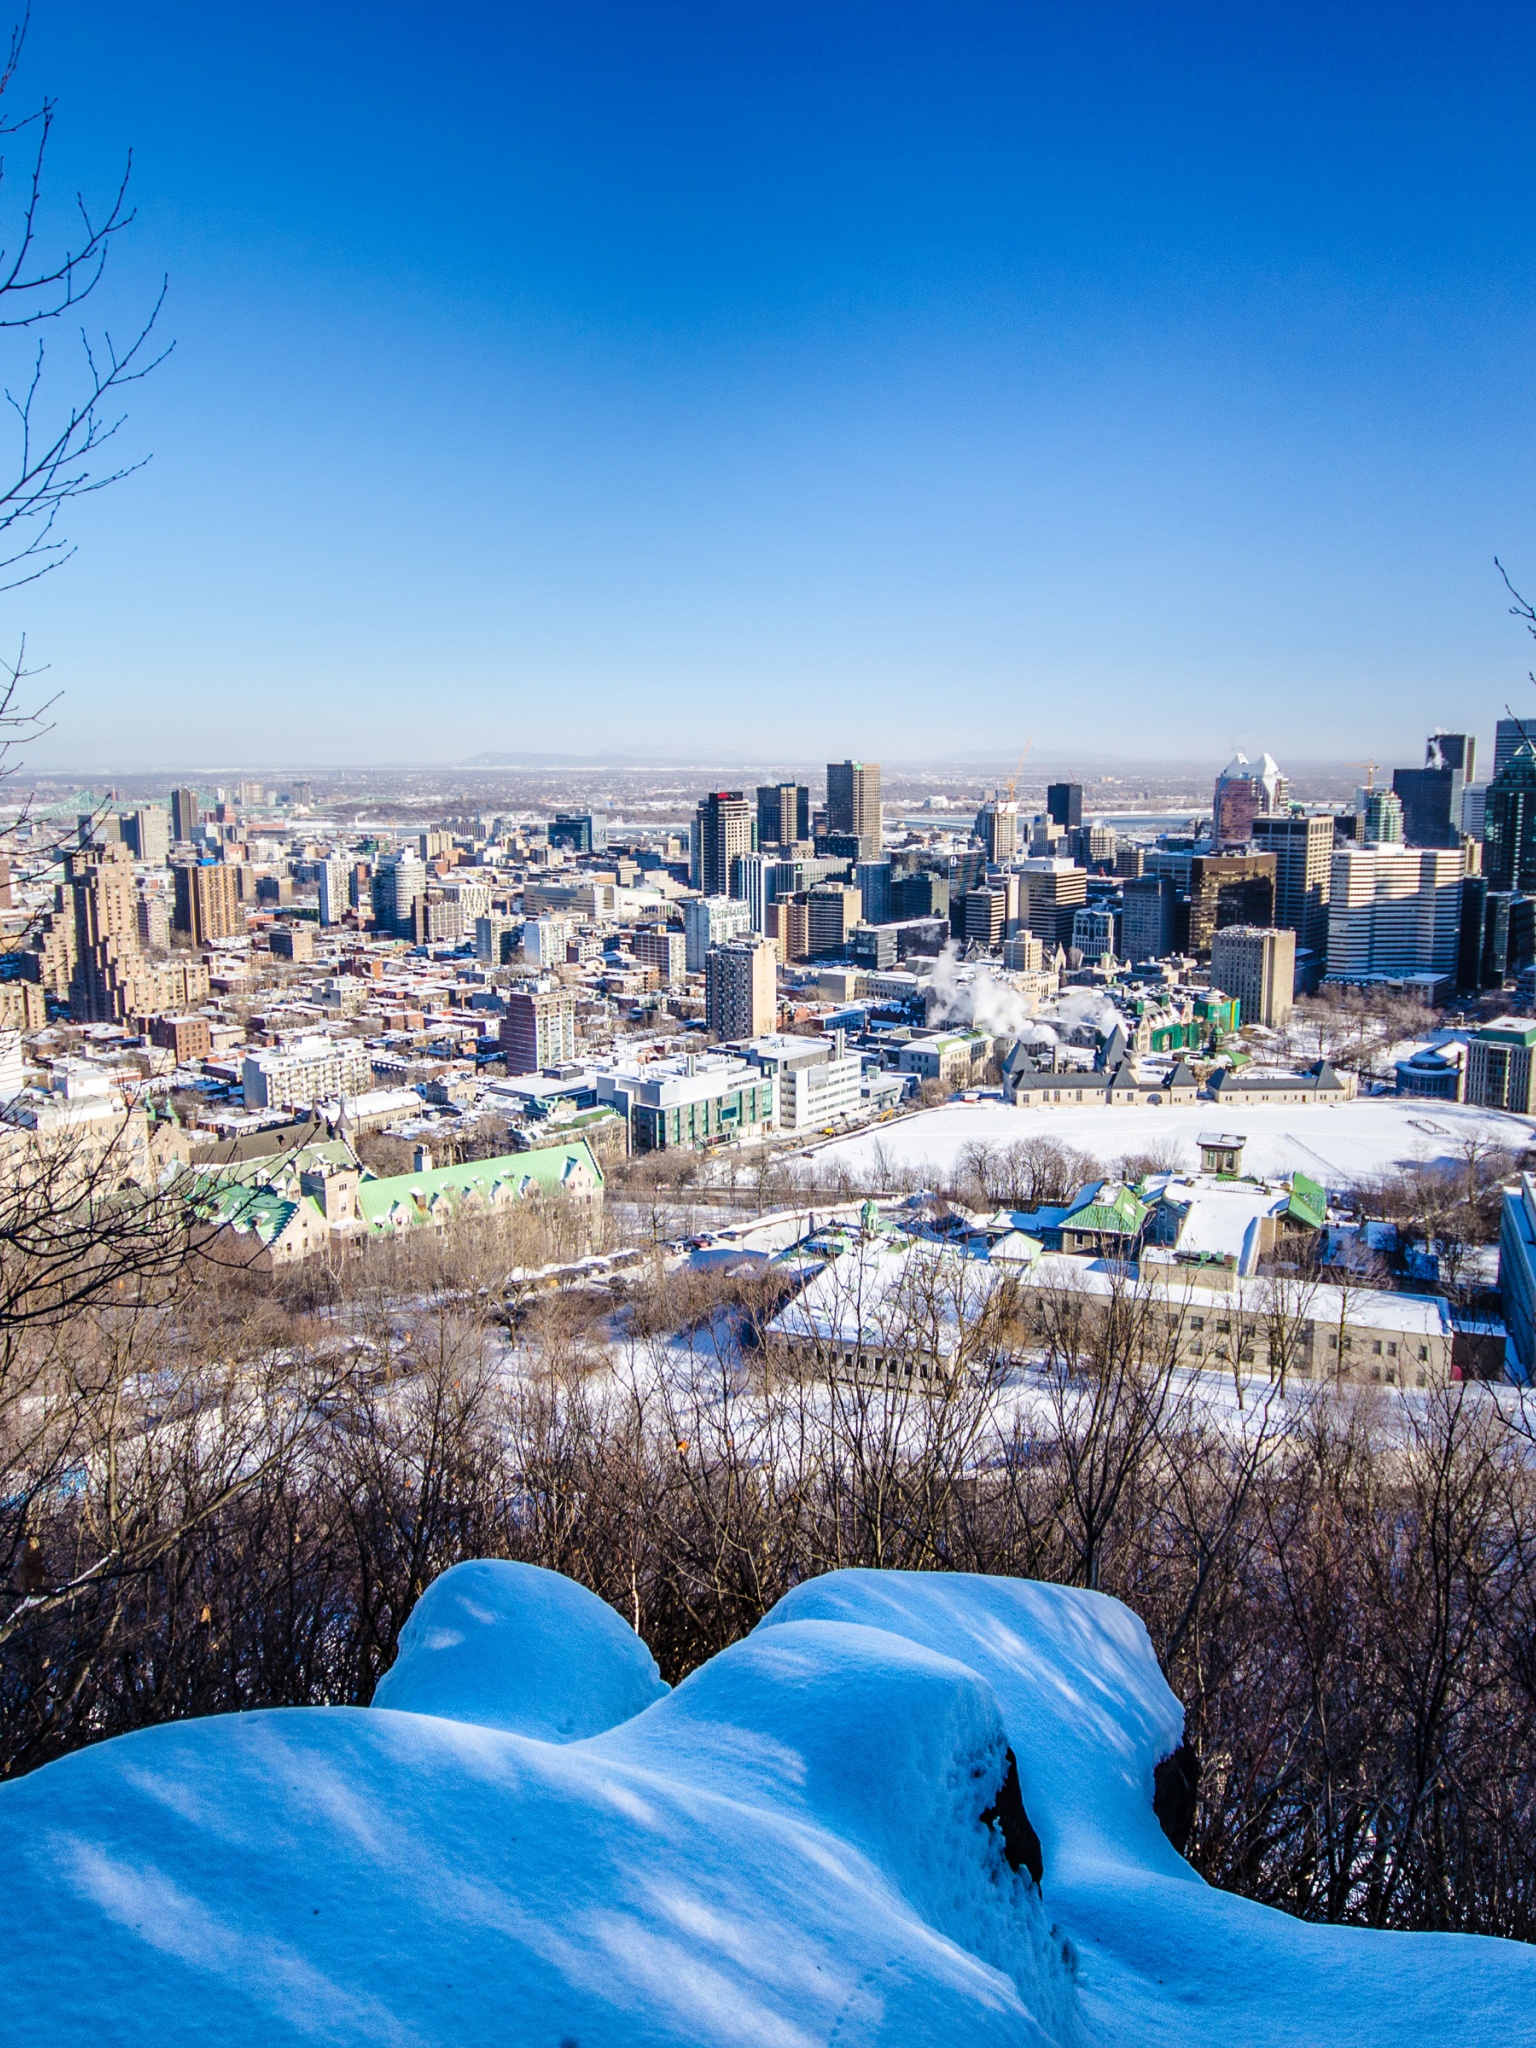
[
  {"x": 803, "y": 1844},
  {"x": 515, "y": 1647}
]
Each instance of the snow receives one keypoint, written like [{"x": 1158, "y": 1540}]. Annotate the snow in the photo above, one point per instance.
[
  {"x": 787, "y": 1850},
  {"x": 1337, "y": 1144},
  {"x": 515, "y": 1647}
]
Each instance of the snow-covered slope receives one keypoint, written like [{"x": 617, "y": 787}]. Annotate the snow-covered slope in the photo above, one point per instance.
[{"x": 812, "y": 1840}]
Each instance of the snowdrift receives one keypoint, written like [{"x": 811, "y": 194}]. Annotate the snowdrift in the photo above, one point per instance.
[{"x": 830, "y": 1833}]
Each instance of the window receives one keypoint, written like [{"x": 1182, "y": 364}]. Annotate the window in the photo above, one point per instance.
[
  {"x": 1376, "y": 1347},
  {"x": 1391, "y": 1351}
]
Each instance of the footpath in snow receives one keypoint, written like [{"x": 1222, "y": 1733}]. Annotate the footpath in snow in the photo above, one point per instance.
[{"x": 831, "y": 1833}]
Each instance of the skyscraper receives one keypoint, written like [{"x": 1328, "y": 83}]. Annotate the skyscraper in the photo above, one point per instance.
[
  {"x": 723, "y": 828},
  {"x": 1259, "y": 968},
  {"x": 1303, "y": 851},
  {"x": 1064, "y": 804},
  {"x": 1431, "y": 795},
  {"x": 1509, "y": 823},
  {"x": 997, "y": 827},
  {"x": 1394, "y": 911},
  {"x": 207, "y": 902},
  {"x": 853, "y": 803},
  {"x": 783, "y": 813},
  {"x": 335, "y": 886},
  {"x": 1227, "y": 889},
  {"x": 1244, "y": 791},
  {"x": 184, "y": 813},
  {"x": 1509, "y": 735}
]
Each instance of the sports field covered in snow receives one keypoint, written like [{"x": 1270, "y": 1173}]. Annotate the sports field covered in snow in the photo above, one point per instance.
[
  {"x": 1339, "y": 1144},
  {"x": 908, "y": 1809}
]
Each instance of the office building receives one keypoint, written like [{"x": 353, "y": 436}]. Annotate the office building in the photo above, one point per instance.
[
  {"x": 985, "y": 916},
  {"x": 306, "y": 1070},
  {"x": 1093, "y": 846},
  {"x": 1381, "y": 816},
  {"x": 832, "y": 911},
  {"x": 692, "y": 1101},
  {"x": 1093, "y": 932},
  {"x": 1509, "y": 823},
  {"x": 1259, "y": 968},
  {"x": 1394, "y": 911},
  {"x": 816, "y": 1083},
  {"x": 1051, "y": 894},
  {"x": 1064, "y": 804},
  {"x": 1509, "y": 735},
  {"x": 755, "y": 882},
  {"x": 664, "y": 949},
  {"x": 1303, "y": 853},
  {"x": 741, "y": 988},
  {"x": 1246, "y": 790},
  {"x": 873, "y": 881},
  {"x": 710, "y": 921},
  {"x": 185, "y": 814},
  {"x": 397, "y": 881},
  {"x": 853, "y": 803},
  {"x": 783, "y": 813},
  {"x": 874, "y": 946},
  {"x": 1517, "y": 1271},
  {"x": 1147, "y": 919},
  {"x": 1227, "y": 889},
  {"x": 148, "y": 833},
  {"x": 1431, "y": 796},
  {"x": 923, "y": 894},
  {"x": 538, "y": 1030},
  {"x": 724, "y": 827},
  {"x": 207, "y": 903},
  {"x": 579, "y": 831},
  {"x": 997, "y": 827},
  {"x": 1474, "y": 802},
  {"x": 1501, "y": 1066},
  {"x": 334, "y": 878}
]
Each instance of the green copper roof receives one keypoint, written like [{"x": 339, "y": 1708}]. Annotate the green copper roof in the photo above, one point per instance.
[
  {"x": 1121, "y": 1214},
  {"x": 1308, "y": 1203},
  {"x": 406, "y": 1198}
]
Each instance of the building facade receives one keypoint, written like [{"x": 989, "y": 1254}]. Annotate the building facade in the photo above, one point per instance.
[
  {"x": 724, "y": 827},
  {"x": 741, "y": 988},
  {"x": 1501, "y": 1063},
  {"x": 853, "y": 803},
  {"x": 1303, "y": 853},
  {"x": 1394, "y": 911},
  {"x": 1259, "y": 968},
  {"x": 711, "y": 921},
  {"x": 538, "y": 1029}
]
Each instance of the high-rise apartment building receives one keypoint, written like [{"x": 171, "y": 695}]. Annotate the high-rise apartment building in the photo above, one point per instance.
[
  {"x": 184, "y": 814},
  {"x": 110, "y": 981},
  {"x": 741, "y": 988},
  {"x": 783, "y": 813},
  {"x": 1303, "y": 851},
  {"x": 207, "y": 905},
  {"x": 710, "y": 921},
  {"x": 148, "y": 833},
  {"x": 398, "y": 880},
  {"x": 853, "y": 803},
  {"x": 1244, "y": 791},
  {"x": 1227, "y": 889},
  {"x": 497, "y": 937},
  {"x": 538, "y": 1030},
  {"x": 1064, "y": 804},
  {"x": 1259, "y": 968},
  {"x": 1394, "y": 911},
  {"x": 665, "y": 949},
  {"x": 335, "y": 879},
  {"x": 1509, "y": 823},
  {"x": 723, "y": 829}
]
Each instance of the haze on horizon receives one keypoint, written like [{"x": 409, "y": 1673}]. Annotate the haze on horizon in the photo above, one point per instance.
[{"x": 703, "y": 381}]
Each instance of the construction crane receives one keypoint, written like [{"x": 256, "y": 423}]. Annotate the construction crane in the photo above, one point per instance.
[
  {"x": 1013, "y": 780},
  {"x": 1370, "y": 772}
]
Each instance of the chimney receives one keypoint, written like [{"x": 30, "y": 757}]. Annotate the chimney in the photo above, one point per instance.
[{"x": 421, "y": 1160}]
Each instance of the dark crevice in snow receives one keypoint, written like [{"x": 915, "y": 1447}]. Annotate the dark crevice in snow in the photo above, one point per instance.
[
  {"x": 1021, "y": 1845},
  {"x": 1175, "y": 1782}
]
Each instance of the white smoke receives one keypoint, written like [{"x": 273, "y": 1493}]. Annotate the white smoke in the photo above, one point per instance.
[{"x": 974, "y": 996}]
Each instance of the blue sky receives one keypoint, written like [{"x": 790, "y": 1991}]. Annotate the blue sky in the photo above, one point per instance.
[{"x": 803, "y": 379}]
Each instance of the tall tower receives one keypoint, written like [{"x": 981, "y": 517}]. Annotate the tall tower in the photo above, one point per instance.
[
  {"x": 724, "y": 826},
  {"x": 184, "y": 813},
  {"x": 853, "y": 803}
]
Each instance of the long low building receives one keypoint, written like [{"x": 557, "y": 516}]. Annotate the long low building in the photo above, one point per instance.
[{"x": 899, "y": 1310}]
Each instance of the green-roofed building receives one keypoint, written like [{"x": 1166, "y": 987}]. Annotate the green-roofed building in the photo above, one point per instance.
[
  {"x": 1105, "y": 1221},
  {"x": 404, "y": 1200}
]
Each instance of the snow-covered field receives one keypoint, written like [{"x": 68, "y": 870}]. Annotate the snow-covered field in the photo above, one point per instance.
[
  {"x": 908, "y": 1810},
  {"x": 1337, "y": 1145}
]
